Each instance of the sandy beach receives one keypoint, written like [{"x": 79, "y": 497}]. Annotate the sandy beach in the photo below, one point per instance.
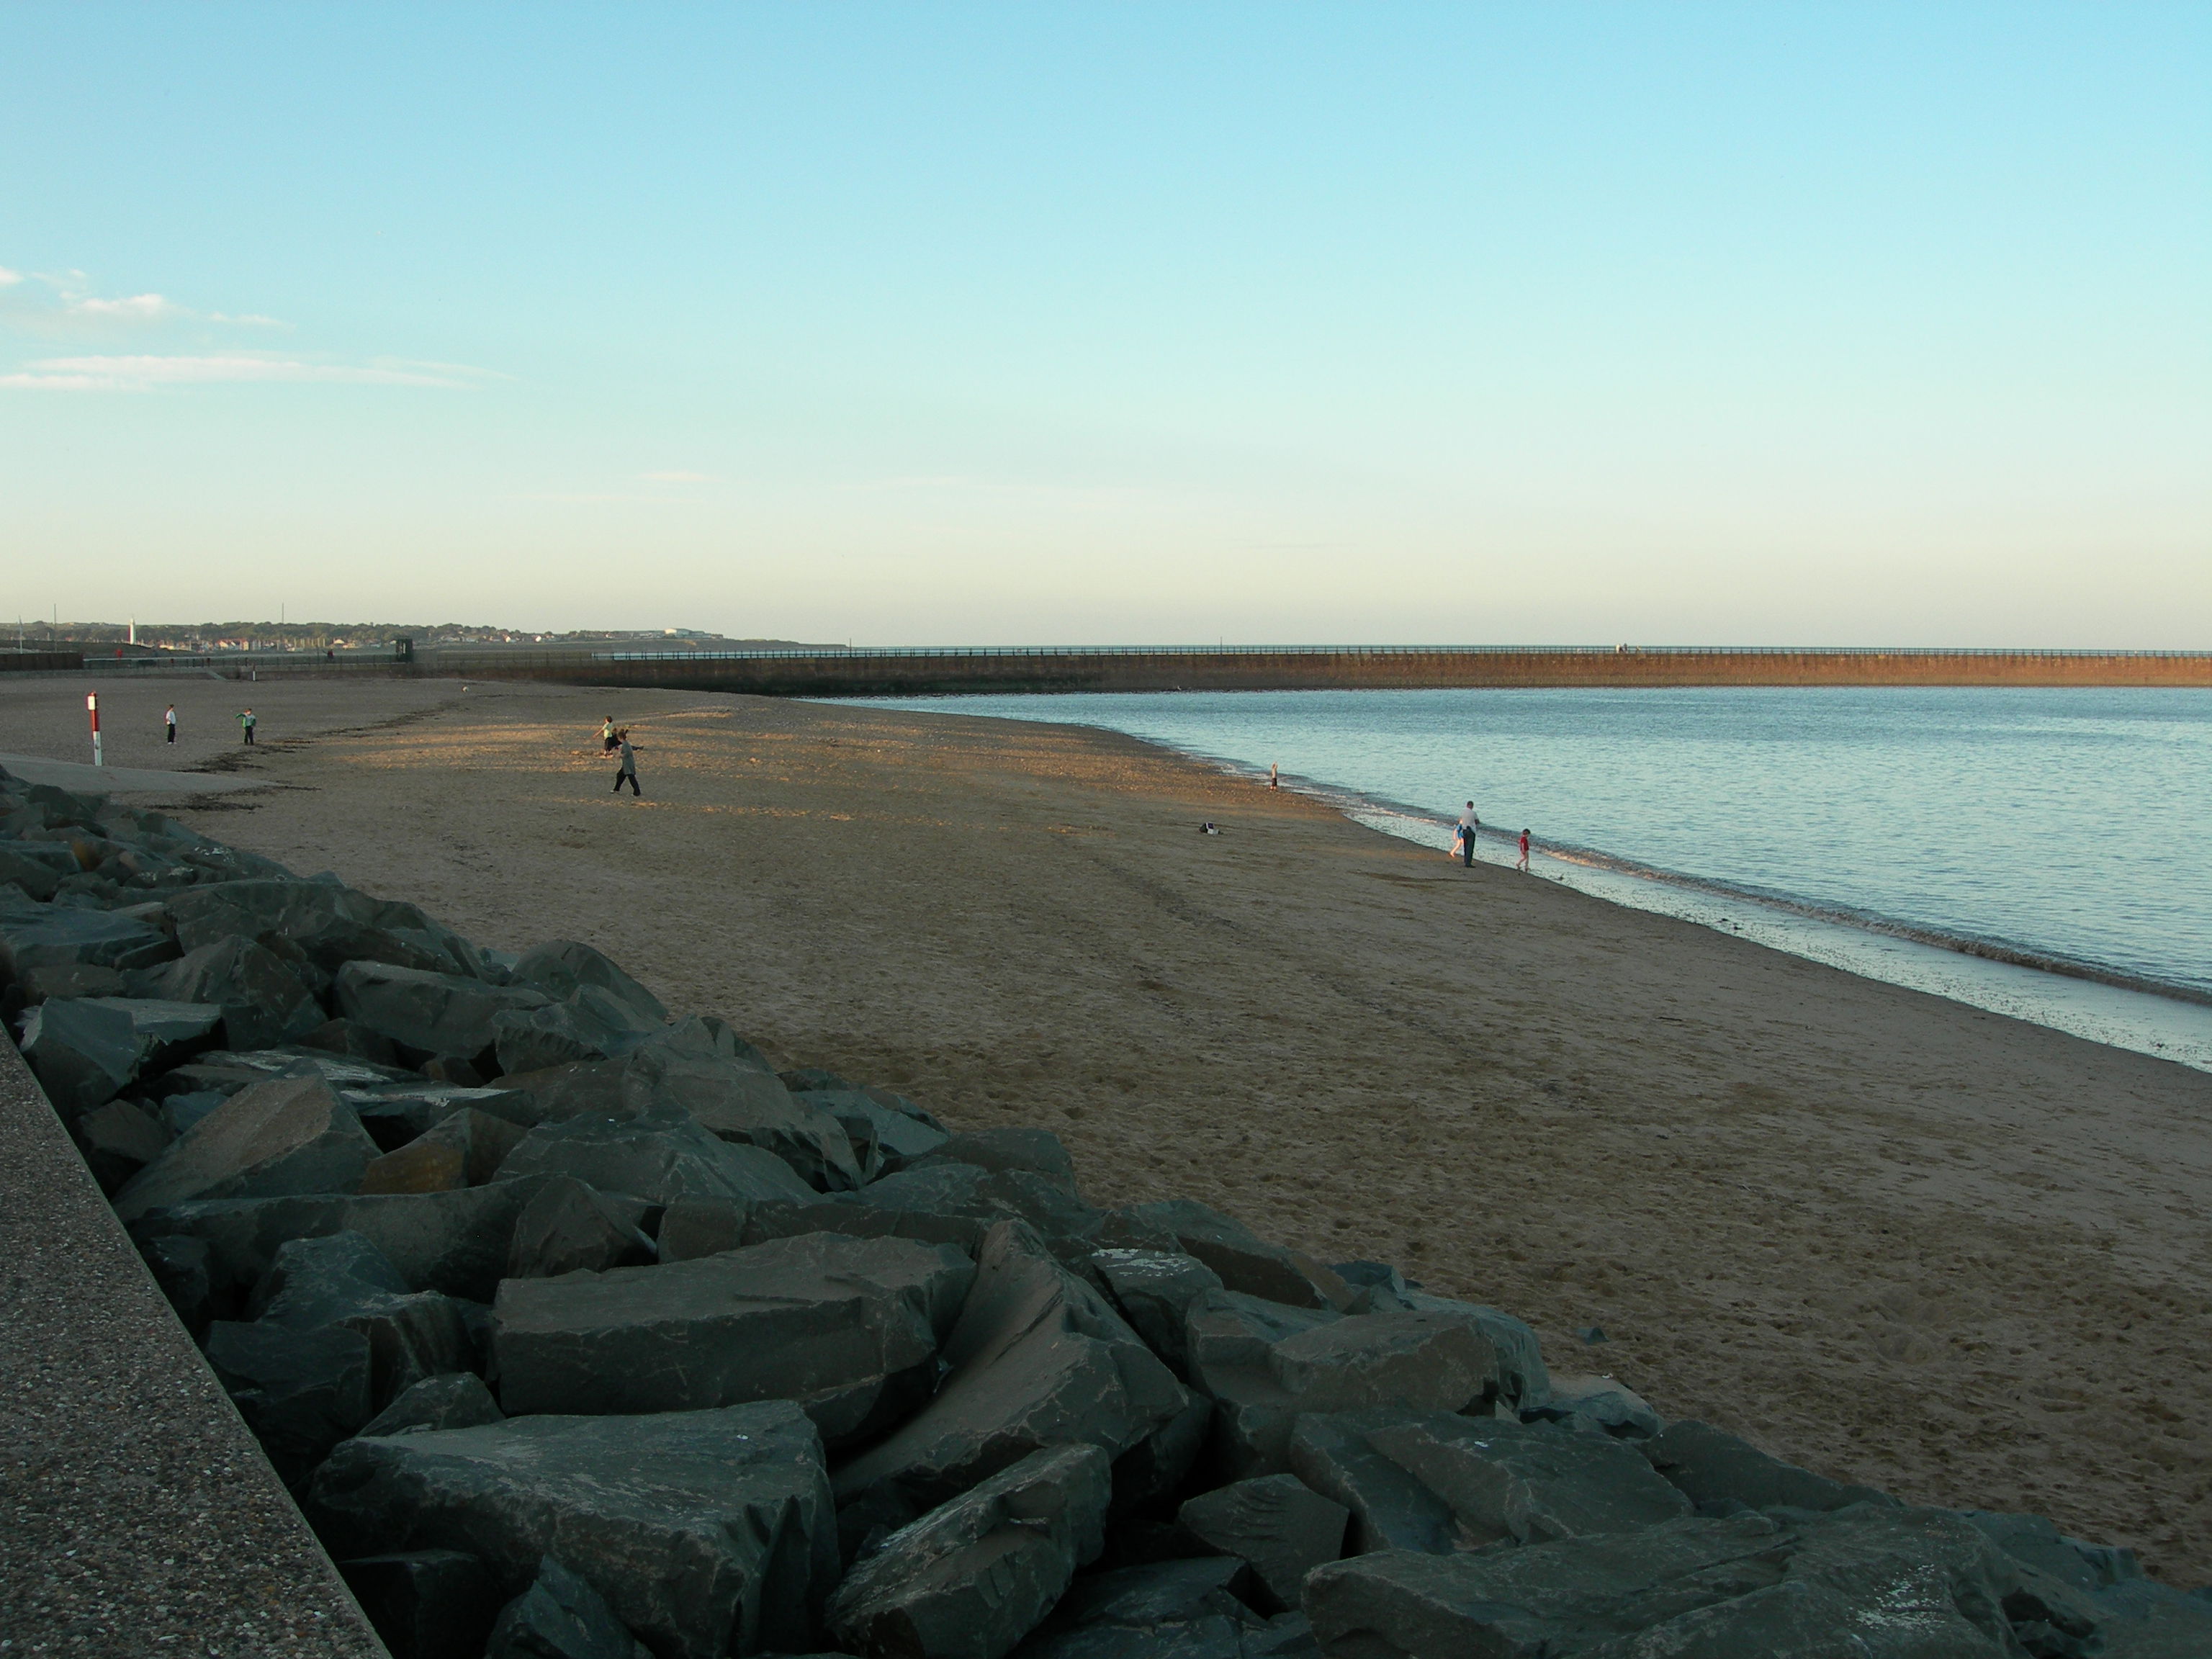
[{"x": 1893, "y": 1238}]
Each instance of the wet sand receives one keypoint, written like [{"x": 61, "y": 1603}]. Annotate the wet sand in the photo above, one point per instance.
[{"x": 1893, "y": 1238}]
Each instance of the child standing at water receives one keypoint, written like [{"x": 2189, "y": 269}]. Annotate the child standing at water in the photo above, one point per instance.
[{"x": 1521, "y": 863}]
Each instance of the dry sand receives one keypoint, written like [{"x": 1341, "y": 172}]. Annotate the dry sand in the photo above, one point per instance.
[{"x": 1893, "y": 1238}]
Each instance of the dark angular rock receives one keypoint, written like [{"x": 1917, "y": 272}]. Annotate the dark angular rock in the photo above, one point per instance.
[
  {"x": 320, "y": 926},
  {"x": 1523, "y": 1380},
  {"x": 1283, "y": 1528},
  {"x": 1886, "y": 1583},
  {"x": 172, "y": 1030},
  {"x": 397, "y": 1113},
  {"x": 451, "y": 1400},
  {"x": 180, "y": 1113},
  {"x": 2141, "y": 1619},
  {"x": 301, "y": 1392},
  {"x": 659, "y": 1159},
  {"x": 1390, "y": 1509},
  {"x": 562, "y": 968},
  {"x": 76, "y": 979},
  {"x": 34, "y": 937},
  {"x": 1037, "y": 1358},
  {"x": 849, "y": 1328},
  {"x": 709, "y": 1533},
  {"x": 426, "y": 1604},
  {"x": 593, "y": 1024},
  {"x": 37, "y": 877},
  {"x": 973, "y": 1576},
  {"x": 286, "y": 1135},
  {"x": 1177, "y": 1609},
  {"x": 1722, "y": 1475},
  {"x": 263, "y": 1002},
  {"x": 560, "y": 1617},
  {"x": 83, "y": 1053},
  {"x": 1154, "y": 1290},
  {"x": 344, "y": 1279},
  {"x": 464, "y": 1148},
  {"x": 1038, "y": 1151},
  {"x": 453, "y": 1242},
  {"x": 117, "y": 1140},
  {"x": 1598, "y": 1405},
  {"x": 693, "y": 1227},
  {"x": 782, "y": 1220},
  {"x": 884, "y": 1139},
  {"x": 1247, "y": 1262},
  {"x": 1067, "y": 1223},
  {"x": 742, "y": 1104},
  {"x": 180, "y": 1266},
  {"x": 426, "y": 1013},
  {"x": 351, "y": 1038},
  {"x": 571, "y": 1226}
]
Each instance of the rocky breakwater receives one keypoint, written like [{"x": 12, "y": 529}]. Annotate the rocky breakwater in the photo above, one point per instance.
[{"x": 580, "y": 1330}]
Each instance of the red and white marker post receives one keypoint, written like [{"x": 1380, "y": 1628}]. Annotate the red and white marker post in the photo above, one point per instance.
[{"x": 92, "y": 703}]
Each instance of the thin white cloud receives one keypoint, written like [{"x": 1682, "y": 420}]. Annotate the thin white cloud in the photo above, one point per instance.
[
  {"x": 146, "y": 373},
  {"x": 8, "y": 277},
  {"x": 677, "y": 478},
  {"x": 138, "y": 308}
]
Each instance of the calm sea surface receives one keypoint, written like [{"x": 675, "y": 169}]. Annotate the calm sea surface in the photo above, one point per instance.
[{"x": 1963, "y": 841}]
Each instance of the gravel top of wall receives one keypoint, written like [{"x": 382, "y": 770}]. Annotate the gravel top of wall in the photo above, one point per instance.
[{"x": 137, "y": 1514}]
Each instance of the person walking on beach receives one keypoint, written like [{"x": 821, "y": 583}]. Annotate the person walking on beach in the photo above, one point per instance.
[
  {"x": 628, "y": 766},
  {"x": 1470, "y": 826},
  {"x": 169, "y": 721},
  {"x": 1274, "y": 778},
  {"x": 1521, "y": 863},
  {"x": 607, "y": 737},
  {"x": 245, "y": 725}
]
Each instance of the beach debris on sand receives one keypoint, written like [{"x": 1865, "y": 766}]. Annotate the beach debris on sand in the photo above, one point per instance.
[{"x": 579, "y": 1329}]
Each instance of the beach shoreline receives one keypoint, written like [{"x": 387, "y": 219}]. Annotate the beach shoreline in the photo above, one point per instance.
[{"x": 1901, "y": 1241}]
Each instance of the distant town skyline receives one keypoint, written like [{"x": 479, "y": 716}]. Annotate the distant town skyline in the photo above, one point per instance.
[{"x": 1709, "y": 324}]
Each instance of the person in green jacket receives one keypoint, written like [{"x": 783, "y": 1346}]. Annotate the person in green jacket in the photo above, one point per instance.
[{"x": 245, "y": 725}]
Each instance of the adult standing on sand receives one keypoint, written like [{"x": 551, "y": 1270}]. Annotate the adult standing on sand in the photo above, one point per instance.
[
  {"x": 169, "y": 722},
  {"x": 1274, "y": 778},
  {"x": 628, "y": 768},
  {"x": 245, "y": 725},
  {"x": 1470, "y": 826}
]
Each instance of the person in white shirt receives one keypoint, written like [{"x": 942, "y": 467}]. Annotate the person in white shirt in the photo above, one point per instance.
[
  {"x": 1470, "y": 826},
  {"x": 169, "y": 720}
]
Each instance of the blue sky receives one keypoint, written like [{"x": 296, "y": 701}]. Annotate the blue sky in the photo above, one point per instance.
[{"x": 1116, "y": 323}]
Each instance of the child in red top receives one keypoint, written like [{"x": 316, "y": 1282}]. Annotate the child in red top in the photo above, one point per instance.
[{"x": 1522, "y": 864}]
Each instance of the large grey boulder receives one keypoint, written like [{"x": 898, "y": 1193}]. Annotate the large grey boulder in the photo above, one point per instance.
[
  {"x": 560, "y": 1616},
  {"x": 658, "y": 1158},
  {"x": 425, "y": 1013},
  {"x": 709, "y": 1533},
  {"x": 884, "y": 1139},
  {"x": 426, "y": 1604},
  {"x": 1885, "y": 1584},
  {"x": 571, "y": 1226},
  {"x": 1600, "y": 1404},
  {"x": 301, "y": 1392},
  {"x": 451, "y": 1400},
  {"x": 1154, "y": 1290},
  {"x": 1181, "y": 1609},
  {"x": 289, "y": 1134},
  {"x": 172, "y": 1030},
  {"x": 36, "y": 936},
  {"x": 1067, "y": 1224},
  {"x": 342, "y": 1279},
  {"x": 742, "y": 1104},
  {"x": 1278, "y": 1524},
  {"x": 777, "y": 1219},
  {"x": 264, "y": 1002},
  {"x": 463, "y": 1148},
  {"x": 1246, "y": 1262},
  {"x": 1723, "y": 1474},
  {"x": 849, "y": 1328},
  {"x": 591, "y": 1025},
  {"x": 453, "y": 1242},
  {"x": 320, "y": 926},
  {"x": 693, "y": 1227},
  {"x": 1264, "y": 1363},
  {"x": 974, "y": 1575},
  {"x": 1390, "y": 1509},
  {"x": 1522, "y": 1382},
  {"x": 22, "y": 866},
  {"x": 562, "y": 968},
  {"x": 398, "y": 1112},
  {"x": 82, "y": 1052},
  {"x": 1036, "y": 1151},
  {"x": 117, "y": 1140},
  {"x": 1037, "y": 1358}
]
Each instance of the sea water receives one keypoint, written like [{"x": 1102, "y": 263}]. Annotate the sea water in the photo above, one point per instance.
[{"x": 2043, "y": 853}]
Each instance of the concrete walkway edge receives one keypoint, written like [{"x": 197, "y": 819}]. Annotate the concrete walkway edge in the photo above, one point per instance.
[{"x": 137, "y": 1514}]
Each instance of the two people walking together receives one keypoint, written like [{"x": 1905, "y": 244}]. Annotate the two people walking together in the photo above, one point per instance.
[
  {"x": 1470, "y": 826},
  {"x": 615, "y": 741}
]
